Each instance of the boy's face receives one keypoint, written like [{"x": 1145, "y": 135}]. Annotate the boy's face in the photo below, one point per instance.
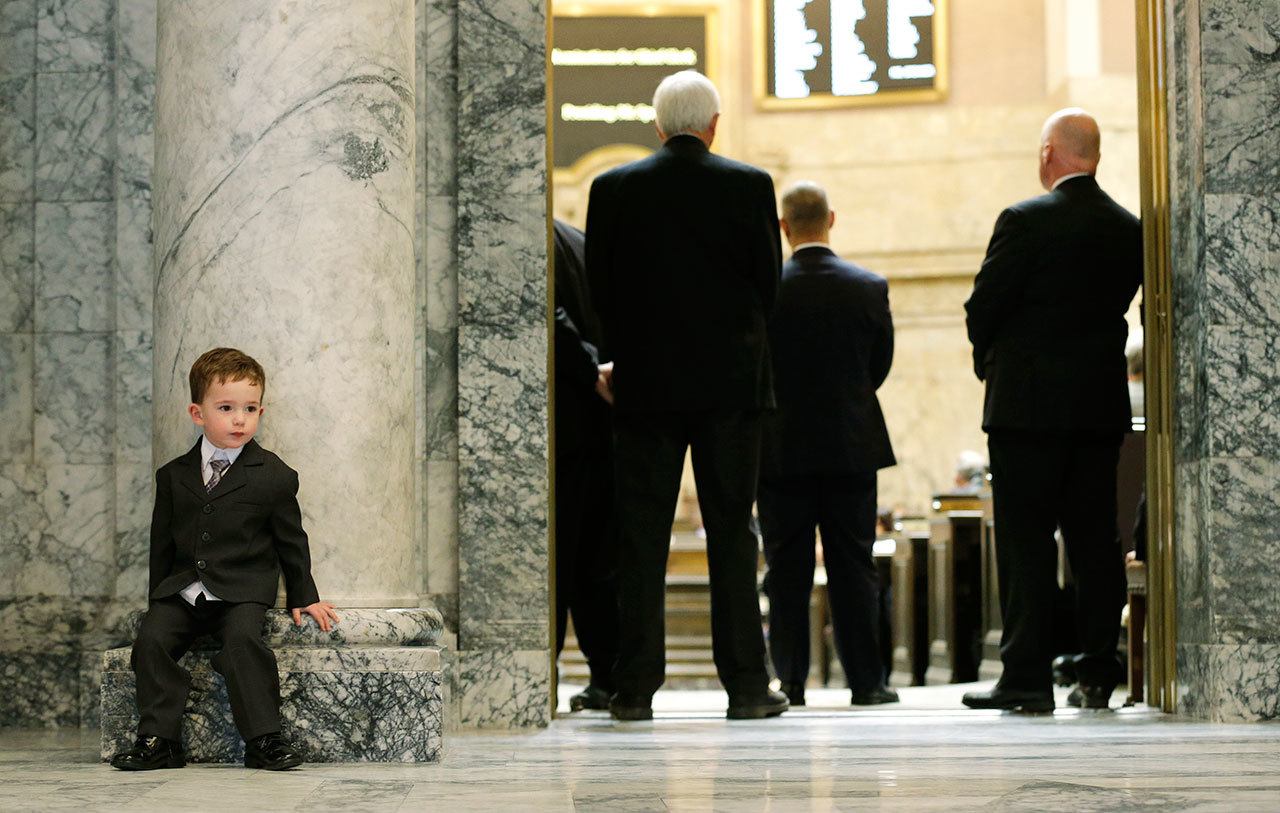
[{"x": 229, "y": 412}]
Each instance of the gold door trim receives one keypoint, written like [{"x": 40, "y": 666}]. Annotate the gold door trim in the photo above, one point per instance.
[{"x": 1153, "y": 145}]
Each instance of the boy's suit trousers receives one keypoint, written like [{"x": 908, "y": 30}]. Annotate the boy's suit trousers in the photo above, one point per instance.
[{"x": 168, "y": 630}]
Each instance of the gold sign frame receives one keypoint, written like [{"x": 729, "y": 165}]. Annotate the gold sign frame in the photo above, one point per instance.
[
  {"x": 829, "y": 101},
  {"x": 622, "y": 152}
]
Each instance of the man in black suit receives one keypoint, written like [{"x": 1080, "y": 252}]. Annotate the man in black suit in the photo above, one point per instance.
[
  {"x": 683, "y": 257},
  {"x": 586, "y": 548},
  {"x": 1047, "y": 323},
  {"x": 831, "y": 338}
]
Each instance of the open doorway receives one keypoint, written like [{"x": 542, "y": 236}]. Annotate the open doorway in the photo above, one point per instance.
[{"x": 917, "y": 177}]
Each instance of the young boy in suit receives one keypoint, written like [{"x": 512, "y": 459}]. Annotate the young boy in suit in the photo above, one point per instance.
[{"x": 226, "y": 523}]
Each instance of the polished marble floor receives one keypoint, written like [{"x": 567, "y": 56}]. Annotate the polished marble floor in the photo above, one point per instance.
[{"x": 926, "y": 755}]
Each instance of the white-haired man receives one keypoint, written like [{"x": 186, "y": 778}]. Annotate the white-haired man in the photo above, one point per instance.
[
  {"x": 683, "y": 258},
  {"x": 1047, "y": 323}
]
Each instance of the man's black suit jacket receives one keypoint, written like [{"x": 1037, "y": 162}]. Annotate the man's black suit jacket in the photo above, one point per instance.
[
  {"x": 236, "y": 539},
  {"x": 582, "y": 416},
  {"x": 1046, "y": 317},
  {"x": 683, "y": 256},
  {"x": 831, "y": 336}
]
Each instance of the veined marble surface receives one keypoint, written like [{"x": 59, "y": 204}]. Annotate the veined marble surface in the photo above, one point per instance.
[
  {"x": 284, "y": 226},
  {"x": 359, "y": 704},
  {"x": 417, "y": 626},
  {"x": 929, "y": 758}
]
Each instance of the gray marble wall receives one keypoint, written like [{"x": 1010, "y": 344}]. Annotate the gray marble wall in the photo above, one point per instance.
[
  {"x": 1224, "y": 101},
  {"x": 76, "y": 82},
  {"x": 501, "y": 189}
]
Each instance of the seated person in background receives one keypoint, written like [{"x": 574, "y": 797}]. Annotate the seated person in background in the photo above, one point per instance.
[
  {"x": 226, "y": 523},
  {"x": 971, "y": 473},
  {"x": 831, "y": 336}
]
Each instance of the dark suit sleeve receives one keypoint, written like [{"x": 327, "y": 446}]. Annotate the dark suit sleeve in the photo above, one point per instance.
[
  {"x": 767, "y": 254},
  {"x": 162, "y": 550},
  {"x": 882, "y": 356},
  {"x": 599, "y": 276},
  {"x": 996, "y": 288},
  {"x": 576, "y": 358},
  {"x": 291, "y": 546}
]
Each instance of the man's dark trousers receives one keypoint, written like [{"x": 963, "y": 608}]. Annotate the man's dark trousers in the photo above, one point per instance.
[
  {"x": 1043, "y": 481},
  {"x": 843, "y": 507},
  {"x": 245, "y": 661},
  {"x": 650, "y": 449},
  {"x": 586, "y": 556}
]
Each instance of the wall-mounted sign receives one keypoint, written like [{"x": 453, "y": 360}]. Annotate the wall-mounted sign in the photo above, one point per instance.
[
  {"x": 606, "y": 63},
  {"x": 835, "y": 53}
]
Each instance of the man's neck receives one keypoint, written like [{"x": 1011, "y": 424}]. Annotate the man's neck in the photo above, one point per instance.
[
  {"x": 1069, "y": 176},
  {"x": 810, "y": 241}
]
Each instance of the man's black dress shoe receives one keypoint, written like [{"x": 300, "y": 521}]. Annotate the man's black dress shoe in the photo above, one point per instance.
[
  {"x": 757, "y": 707},
  {"x": 794, "y": 693},
  {"x": 874, "y": 697},
  {"x": 271, "y": 752},
  {"x": 1090, "y": 697},
  {"x": 630, "y": 708},
  {"x": 1023, "y": 700},
  {"x": 592, "y": 697},
  {"x": 1064, "y": 669},
  {"x": 150, "y": 753}
]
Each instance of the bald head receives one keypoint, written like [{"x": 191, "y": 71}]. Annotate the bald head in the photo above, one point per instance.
[
  {"x": 1069, "y": 143},
  {"x": 806, "y": 215}
]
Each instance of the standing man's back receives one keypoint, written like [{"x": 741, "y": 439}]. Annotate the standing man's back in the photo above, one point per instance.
[
  {"x": 831, "y": 336},
  {"x": 683, "y": 257},
  {"x": 1047, "y": 323}
]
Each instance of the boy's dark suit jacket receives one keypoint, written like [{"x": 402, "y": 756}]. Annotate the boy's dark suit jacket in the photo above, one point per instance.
[
  {"x": 831, "y": 337},
  {"x": 682, "y": 258},
  {"x": 1046, "y": 317},
  {"x": 236, "y": 539}
]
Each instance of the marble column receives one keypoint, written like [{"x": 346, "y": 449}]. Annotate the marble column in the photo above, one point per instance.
[
  {"x": 284, "y": 209},
  {"x": 1224, "y": 100}
]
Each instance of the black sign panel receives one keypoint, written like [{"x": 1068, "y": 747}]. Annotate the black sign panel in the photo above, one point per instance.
[
  {"x": 605, "y": 70},
  {"x": 827, "y": 52}
]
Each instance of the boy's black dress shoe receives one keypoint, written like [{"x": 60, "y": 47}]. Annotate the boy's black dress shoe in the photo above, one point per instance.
[
  {"x": 1090, "y": 697},
  {"x": 622, "y": 707},
  {"x": 271, "y": 752},
  {"x": 1024, "y": 700},
  {"x": 874, "y": 697},
  {"x": 794, "y": 693},
  {"x": 150, "y": 753},
  {"x": 757, "y": 707},
  {"x": 592, "y": 697}
]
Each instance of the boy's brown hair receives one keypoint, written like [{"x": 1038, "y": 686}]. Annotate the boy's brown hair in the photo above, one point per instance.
[{"x": 224, "y": 364}]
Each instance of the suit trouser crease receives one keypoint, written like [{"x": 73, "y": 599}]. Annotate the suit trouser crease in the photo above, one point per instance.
[
  {"x": 1043, "y": 482},
  {"x": 244, "y": 660},
  {"x": 650, "y": 449}
]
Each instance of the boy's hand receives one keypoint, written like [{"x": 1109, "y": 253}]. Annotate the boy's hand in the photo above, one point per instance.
[{"x": 321, "y": 611}]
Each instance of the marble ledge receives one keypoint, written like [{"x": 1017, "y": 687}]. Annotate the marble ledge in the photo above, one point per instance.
[
  {"x": 411, "y": 627},
  {"x": 338, "y": 705}
]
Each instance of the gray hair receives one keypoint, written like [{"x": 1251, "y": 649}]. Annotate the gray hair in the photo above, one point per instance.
[{"x": 685, "y": 102}]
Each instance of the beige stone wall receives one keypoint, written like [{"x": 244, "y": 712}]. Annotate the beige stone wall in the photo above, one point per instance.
[{"x": 917, "y": 188}]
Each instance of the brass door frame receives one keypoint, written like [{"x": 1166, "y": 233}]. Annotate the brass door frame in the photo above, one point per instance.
[{"x": 1153, "y": 147}]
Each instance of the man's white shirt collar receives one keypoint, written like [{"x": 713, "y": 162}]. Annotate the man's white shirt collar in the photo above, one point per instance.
[
  {"x": 814, "y": 244},
  {"x": 1066, "y": 178}
]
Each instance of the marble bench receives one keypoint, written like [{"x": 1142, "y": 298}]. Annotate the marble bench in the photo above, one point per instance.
[{"x": 372, "y": 690}]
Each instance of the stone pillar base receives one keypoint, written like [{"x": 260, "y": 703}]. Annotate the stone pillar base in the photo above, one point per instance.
[{"x": 373, "y": 691}]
